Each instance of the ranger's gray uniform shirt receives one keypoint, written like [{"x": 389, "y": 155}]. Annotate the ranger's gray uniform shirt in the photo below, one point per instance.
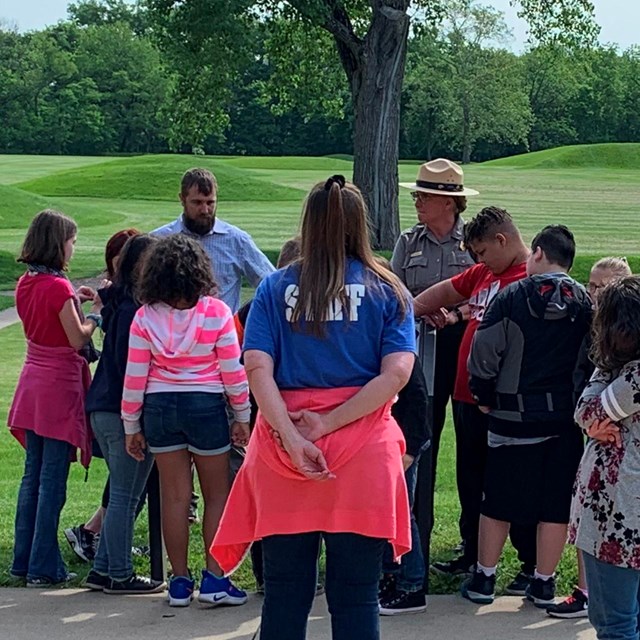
[{"x": 421, "y": 260}]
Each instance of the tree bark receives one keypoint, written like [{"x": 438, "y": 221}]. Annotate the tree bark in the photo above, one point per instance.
[{"x": 375, "y": 70}]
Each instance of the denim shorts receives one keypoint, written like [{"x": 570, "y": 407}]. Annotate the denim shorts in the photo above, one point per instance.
[{"x": 189, "y": 420}]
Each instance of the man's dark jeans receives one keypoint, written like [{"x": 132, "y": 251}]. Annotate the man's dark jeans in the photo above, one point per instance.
[{"x": 290, "y": 576}]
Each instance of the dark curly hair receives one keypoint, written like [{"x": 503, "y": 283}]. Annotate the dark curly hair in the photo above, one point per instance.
[
  {"x": 177, "y": 272},
  {"x": 488, "y": 222},
  {"x": 616, "y": 325}
]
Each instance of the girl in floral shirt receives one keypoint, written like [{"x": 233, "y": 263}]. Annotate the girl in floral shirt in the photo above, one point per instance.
[{"x": 605, "y": 511}]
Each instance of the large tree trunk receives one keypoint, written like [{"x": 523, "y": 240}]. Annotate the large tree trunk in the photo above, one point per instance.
[{"x": 376, "y": 76}]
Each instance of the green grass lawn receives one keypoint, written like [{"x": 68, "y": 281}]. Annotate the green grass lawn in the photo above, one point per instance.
[{"x": 594, "y": 190}]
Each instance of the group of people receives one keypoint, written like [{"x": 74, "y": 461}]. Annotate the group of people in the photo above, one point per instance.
[{"x": 319, "y": 376}]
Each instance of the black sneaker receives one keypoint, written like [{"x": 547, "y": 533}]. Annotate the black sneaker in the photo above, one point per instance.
[
  {"x": 95, "y": 581},
  {"x": 457, "y": 567},
  {"x": 143, "y": 551},
  {"x": 479, "y": 588},
  {"x": 399, "y": 602},
  {"x": 386, "y": 586},
  {"x": 83, "y": 542},
  {"x": 541, "y": 592},
  {"x": 575, "y": 606},
  {"x": 134, "y": 585},
  {"x": 459, "y": 548},
  {"x": 43, "y": 583},
  {"x": 518, "y": 586},
  {"x": 194, "y": 518}
]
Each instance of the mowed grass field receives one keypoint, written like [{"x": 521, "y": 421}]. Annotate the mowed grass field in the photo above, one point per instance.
[{"x": 595, "y": 190}]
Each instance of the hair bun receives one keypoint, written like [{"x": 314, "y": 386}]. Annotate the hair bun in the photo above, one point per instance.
[{"x": 337, "y": 179}]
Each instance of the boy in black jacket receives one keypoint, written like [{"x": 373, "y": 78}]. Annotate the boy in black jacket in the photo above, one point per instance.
[{"x": 521, "y": 364}]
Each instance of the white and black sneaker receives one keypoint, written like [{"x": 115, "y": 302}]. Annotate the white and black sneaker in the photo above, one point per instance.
[
  {"x": 575, "y": 606},
  {"x": 398, "y": 602},
  {"x": 83, "y": 542},
  {"x": 134, "y": 585},
  {"x": 457, "y": 567},
  {"x": 479, "y": 588}
]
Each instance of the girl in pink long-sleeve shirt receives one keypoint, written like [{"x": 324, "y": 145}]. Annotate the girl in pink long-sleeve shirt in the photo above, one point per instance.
[{"x": 183, "y": 366}]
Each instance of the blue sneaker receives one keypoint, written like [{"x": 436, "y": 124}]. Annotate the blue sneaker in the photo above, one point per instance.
[
  {"x": 180, "y": 591},
  {"x": 218, "y": 591}
]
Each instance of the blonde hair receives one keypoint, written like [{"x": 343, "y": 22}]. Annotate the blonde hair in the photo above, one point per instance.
[{"x": 618, "y": 266}]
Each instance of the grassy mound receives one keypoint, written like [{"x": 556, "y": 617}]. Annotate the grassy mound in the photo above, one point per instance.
[
  {"x": 292, "y": 163},
  {"x": 10, "y": 271},
  {"x": 18, "y": 168},
  {"x": 17, "y": 208},
  {"x": 155, "y": 177},
  {"x": 611, "y": 155}
]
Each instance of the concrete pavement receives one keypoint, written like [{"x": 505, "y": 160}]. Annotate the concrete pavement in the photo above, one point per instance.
[
  {"x": 8, "y": 317},
  {"x": 74, "y": 614}
]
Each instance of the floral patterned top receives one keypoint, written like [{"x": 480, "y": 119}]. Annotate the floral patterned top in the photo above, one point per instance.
[{"x": 605, "y": 510}]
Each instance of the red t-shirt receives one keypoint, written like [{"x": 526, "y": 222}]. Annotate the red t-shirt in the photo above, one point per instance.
[
  {"x": 39, "y": 300},
  {"x": 479, "y": 286}
]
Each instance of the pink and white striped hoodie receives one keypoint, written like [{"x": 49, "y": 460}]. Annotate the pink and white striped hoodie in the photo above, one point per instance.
[{"x": 173, "y": 350}]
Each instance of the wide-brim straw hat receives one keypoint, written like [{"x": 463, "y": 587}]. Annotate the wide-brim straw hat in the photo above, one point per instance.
[{"x": 441, "y": 177}]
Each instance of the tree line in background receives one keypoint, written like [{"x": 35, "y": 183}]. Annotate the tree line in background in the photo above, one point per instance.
[{"x": 106, "y": 81}]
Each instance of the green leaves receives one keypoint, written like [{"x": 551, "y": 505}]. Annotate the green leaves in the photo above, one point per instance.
[{"x": 569, "y": 23}]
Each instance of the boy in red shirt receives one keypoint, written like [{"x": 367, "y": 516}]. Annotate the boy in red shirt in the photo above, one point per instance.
[{"x": 501, "y": 255}]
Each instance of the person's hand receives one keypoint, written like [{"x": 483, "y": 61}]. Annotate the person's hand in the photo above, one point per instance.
[
  {"x": 105, "y": 283},
  {"x": 86, "y": 293},
  {"x": 135, "y": 445},
  {"x": 407, "y": 461},
  {"x": 311, "y": 425},
  {"x": 277, "y": 438},
  {"x": 484, "y": 408},
  {"x": 307, "y": 458},
  {"x": 240, "y": 433},
  {"x": 97, "y": 305},
  {"x": 605, "y": 431},
  {"x": 437, "y": 319},
  {"x": 452, "y": 318}
]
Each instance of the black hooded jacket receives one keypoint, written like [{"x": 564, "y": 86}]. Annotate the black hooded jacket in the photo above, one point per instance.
[{"x": 525, "y": 350}]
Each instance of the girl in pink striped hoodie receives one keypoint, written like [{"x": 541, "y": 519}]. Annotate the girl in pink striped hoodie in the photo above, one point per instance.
[{"x": 183, "y": 367}]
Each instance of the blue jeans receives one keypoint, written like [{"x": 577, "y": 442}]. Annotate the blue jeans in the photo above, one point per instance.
[
  {"x": 43, "y": 492},
  {"x": 614, "y": 599},
  {"x": 410, "y": 573},
  {"x": 290, "y": 577},
  {"x": 128, "y": 478}
]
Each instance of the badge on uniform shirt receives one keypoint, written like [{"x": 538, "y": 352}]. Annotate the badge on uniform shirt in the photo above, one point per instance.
[{"x": 415, "y": 254}]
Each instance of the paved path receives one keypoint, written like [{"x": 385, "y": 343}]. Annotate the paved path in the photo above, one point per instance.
[
  {"x": 73, "y": 614},
  {"x": 8, "y": 317}
]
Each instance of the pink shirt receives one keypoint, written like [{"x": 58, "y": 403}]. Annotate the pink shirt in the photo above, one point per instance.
[
  {"x": 368, "y": 496},
  {"x": 180, "y": 350},
  {"x": 39, "y": 301}
]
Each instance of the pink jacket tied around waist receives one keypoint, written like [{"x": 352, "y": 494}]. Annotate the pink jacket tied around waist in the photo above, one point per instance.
[
  {"x": 368, "y": 496},
  {"x": 49, "y": 398}
]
